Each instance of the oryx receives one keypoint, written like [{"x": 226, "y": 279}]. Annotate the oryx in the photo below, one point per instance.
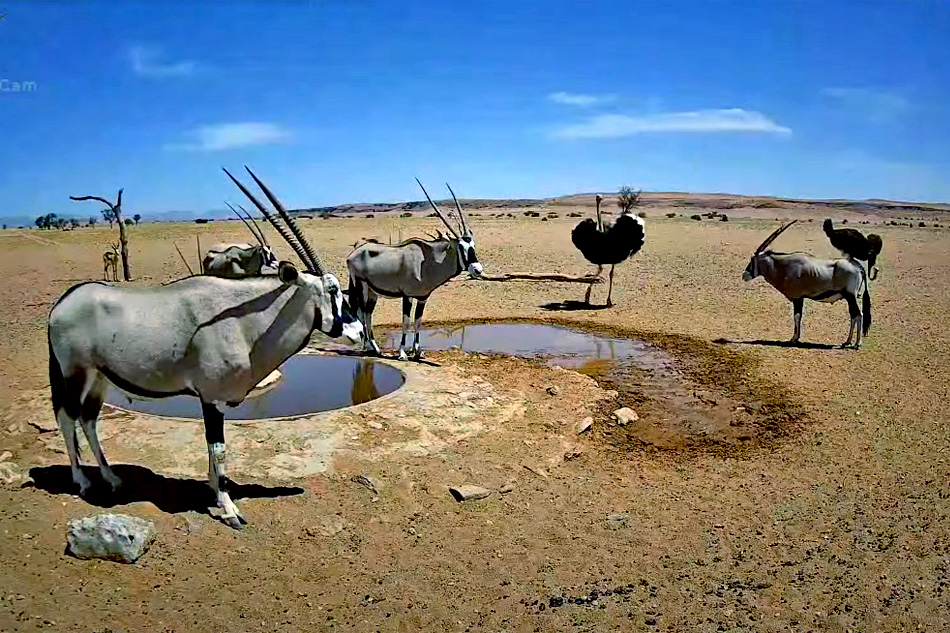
[
  {"x": 800, "y": 276},
  {"x": 205, "y": 336},
  {"x": 240, "y": 260},
  {"x": 412, "y": 269}
]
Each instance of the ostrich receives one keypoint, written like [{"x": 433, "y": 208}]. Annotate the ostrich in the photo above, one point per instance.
[
  {"x": 854, "y": 244},
  {"x": 602, "y": 243}
]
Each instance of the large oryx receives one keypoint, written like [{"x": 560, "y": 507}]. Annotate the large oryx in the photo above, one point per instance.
[
  {"x": 206, "y": 336},
  {"x": 412, "y": 269},
  {"x": 800, "y": 276},
  {"x": 240, "y": 260}
]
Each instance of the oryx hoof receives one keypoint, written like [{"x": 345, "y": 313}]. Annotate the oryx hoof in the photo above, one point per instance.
[
  {"x": 84, "y": 486},
  {"x": 403, "y": 355},
  {"x": 235, "y": 521},
  {"x": 417, "y": 354}
]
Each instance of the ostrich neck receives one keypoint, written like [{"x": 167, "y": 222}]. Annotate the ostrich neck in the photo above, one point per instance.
[{"x": 600, "y": 224}]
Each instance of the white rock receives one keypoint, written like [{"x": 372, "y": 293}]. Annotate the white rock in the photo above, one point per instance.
[
  {"x": 468, "y": 492},
  {"x": 584, "y": 425},
  {"x": 367, "y": 482},
  {"x": 617, "y": 520},
  {"x": 626, "y": 416},
  {"x": 116, "y": 537}
]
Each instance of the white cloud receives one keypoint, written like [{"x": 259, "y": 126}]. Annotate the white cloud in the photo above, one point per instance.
[
  {"x": 620, "y": 125},
  {"x": 568, "y": 98},
  {"x": 877, "y": 105},
  {"x": 212, "y": 138},
  {"x": 147, "y": 61}
]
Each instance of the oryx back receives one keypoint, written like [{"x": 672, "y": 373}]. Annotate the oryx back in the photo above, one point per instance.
[
  {"x": 208, "y": 336},
  {"x": 233, "y": 260},
  {"x": 414, "y": 268}
]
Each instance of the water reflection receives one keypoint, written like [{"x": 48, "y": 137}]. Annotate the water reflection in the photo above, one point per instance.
[{"x": 308, "y": 384}]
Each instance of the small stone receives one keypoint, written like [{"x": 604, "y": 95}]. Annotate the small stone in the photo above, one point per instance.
[
  {"x": 617, "y": 520},
  {"x": 116, "y": 537},
  {"x": 553, "y": 390},
  {"x": 573, "y": 453},
  {"x": 584, "y": 425},
  {"x": 374, "y": 425},
  {"x": 189, "y": 524},
  {"x": 540, "y": 472},
  {"x": 625, "y": 416},
  {"x": 508, "y": 487},
  {"x": 367, "y": 482},
  {"x": 468, "y": 492}
]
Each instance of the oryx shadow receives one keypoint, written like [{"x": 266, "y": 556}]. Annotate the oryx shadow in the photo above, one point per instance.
[
  {"x": 768, "y": 343},
  {"x": 570, "y": 305},
  {"x": 169, "y": 494},
  {"x": 358, "y": 353}
]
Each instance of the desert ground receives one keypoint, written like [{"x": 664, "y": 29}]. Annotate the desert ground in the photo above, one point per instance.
[{"x": 819, "y": 501}]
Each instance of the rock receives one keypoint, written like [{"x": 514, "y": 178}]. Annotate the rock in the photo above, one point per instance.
[
  {"x": 573, "y": 453},
  {"x": 625, "y": 416},
  {"x": 584, "y": 425},
  {"x": 44, "y": 425},
  {"x": 617, "y": 520},
  {"x": 374, "y": 425},
  {"x": 116, "y": 537},
  {"x": 537, "y": 470},
  {"x": 329, "y": 526},
  {"x": 468, "y": 492},
  {"x": 189, "y": 524},
  {"x": 553, "y": 390},
  {"x": 367, "y": 482},
  {"x": 508, "y": 487}
]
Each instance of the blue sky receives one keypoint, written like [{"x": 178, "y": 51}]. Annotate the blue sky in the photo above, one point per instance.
[{"x": 342, "y": 101}]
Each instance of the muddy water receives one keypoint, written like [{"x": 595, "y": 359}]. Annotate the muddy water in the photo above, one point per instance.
[
  {"x": 308, "y": 384},
  {"x": 561, "y": 346},
  {"x": 675, "y": 412}
]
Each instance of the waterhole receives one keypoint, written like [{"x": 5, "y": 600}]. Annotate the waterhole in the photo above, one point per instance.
[
  {"x": 675, "y": 409},
  {"x": 307, "y": 384}
]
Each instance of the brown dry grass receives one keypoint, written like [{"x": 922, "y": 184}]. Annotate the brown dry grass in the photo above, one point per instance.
[{"x": 841, "y": 526}]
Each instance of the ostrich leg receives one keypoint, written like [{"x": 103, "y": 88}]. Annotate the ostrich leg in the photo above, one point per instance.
[
  {"x": 591, "y": 286},
  {"x": 610, "y": 286}
]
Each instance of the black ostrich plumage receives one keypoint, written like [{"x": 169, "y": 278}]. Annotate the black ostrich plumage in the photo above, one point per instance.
[
  {"x": 853, "y": 243},
  {"x": 612, "y": 245}
]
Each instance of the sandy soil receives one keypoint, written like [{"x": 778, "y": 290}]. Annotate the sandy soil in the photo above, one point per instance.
[{"x": 833, "y": 516}]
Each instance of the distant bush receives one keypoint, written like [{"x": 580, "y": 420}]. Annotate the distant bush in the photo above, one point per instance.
[
  {"x": 574, "y": 214},
  {"x": 370, "y": 216},
  {"x": 642, "y": 214},
  {"x": 724, "y": 218},
  {"x": 696, "y": 217},
  {"x": 921, "y": 224},
  {"x": 405, "y": 215},
  {"x": 671, "y": 215},
  {"x": 845, "y": 221}
]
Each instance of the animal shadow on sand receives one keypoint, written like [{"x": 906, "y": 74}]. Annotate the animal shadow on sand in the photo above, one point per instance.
[
  {"x": 570, "y": 305},
  {"x": 765, "y": 343},
  {"x": 168, "y": 494}
]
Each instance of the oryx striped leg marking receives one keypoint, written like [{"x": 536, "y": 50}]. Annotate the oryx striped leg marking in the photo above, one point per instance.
[
  {"x": 367, "y": 301},
  {"x": 217, "y": 476},
  {"x": 88, "y": 419},
  {"x": 406, "y": 314},
  {"x": 420, "y": 307},
  {"x": 797, "y": 306}
]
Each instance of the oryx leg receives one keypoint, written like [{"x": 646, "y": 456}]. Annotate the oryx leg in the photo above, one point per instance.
[
  {"x": 406, "y": 315},
  {"x": 367, "y": 301},
  {"x": 420, "y": 307},
  {"x": 67, "y": 425},
  {"x": 600, "y": 269},
  {"x": 214, "y": 434},
  {"x": 797, "y": 306},
  {"x": 88, "y": 419},
  {"x": 610, "y": 286},
  {"x": 855, "y": 311}
]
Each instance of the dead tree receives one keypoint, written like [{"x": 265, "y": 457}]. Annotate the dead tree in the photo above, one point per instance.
[
  {"x": 627, "y": 198},
  {"x": 123, "y": 238}
]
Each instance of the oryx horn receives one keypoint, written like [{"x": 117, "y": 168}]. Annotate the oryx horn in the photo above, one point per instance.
[
  {"x": 437, "y": 210},
  {"x": 249, "y": 228},
  {"x": 284, "y": 233},
  {"x": 771, "y": 238},
  {"x": 254, "y": 222},
  {"x": 461, "y": 213},
  {"x": 311, "y": 253}
]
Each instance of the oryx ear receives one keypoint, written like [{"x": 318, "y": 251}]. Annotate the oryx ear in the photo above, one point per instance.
[{"x": 287, "y": 272}]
